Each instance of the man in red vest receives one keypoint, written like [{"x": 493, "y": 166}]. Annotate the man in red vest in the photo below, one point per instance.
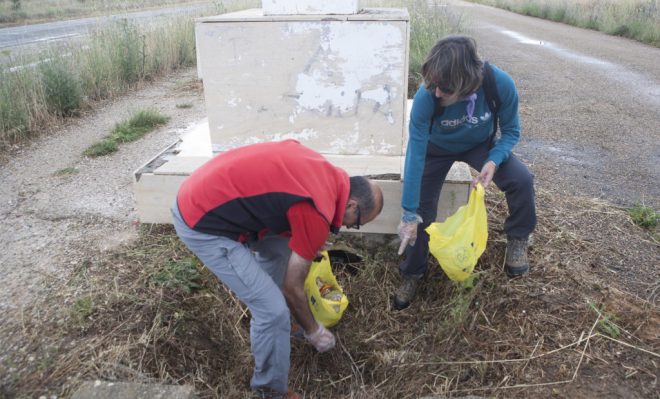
[{"x": 257, "y": 216}]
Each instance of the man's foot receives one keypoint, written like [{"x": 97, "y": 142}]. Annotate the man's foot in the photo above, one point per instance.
[
  {"x": 516, "y": 263},
  {"x": 406, "y": 292}
]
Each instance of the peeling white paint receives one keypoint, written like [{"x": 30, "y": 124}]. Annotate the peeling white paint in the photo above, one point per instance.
[
  {"x": 238, "y": 141},
  {"x": 348, "y": 144},
  {"x": 323, "y": 74},
  {"x": 342, "y": 74},
  {"x": 305, "y": 134}
]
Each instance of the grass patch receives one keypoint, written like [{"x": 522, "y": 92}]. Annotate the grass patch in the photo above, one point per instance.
[
  {"x": 62, "y": 90},
  {"x": 183, "y": 274},
  {"x": 184, "y": 105},
  {"x": 105, "y": 147},
  {"x": 136, "y": 127},
  {"x": 634, "y": 19},
  {"x": 81, "y": 310},
  {"x": 66, "y": 171},
  {"x": 606, "y": 323},
  {"x": 644, "y": 216},
  {"x": 139, "y": 124}
]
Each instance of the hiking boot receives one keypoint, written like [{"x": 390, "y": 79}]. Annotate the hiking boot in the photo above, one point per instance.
[
  {"x": 406, "y": 292},
  {"x": 516, "y": 263},
  {"x": 267, "y": 393}
]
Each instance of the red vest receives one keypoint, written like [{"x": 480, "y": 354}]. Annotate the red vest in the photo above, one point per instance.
[{"x": 248, "y": 190}]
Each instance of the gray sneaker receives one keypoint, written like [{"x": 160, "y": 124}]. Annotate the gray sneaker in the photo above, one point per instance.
[
  {"x": 406, "y": 292},
  {"x": 516, "y": 263}
]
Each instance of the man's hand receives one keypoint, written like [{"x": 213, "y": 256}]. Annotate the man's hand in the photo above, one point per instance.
[
  {"x": 407, "y": 230},
  {"x": 322, "y": 339},
  {"x": 486, "y": 174}
]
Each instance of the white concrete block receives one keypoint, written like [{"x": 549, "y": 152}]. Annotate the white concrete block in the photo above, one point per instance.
[
  {"x": 301, "y": 7},
  {"x": 336, "y": 84}
]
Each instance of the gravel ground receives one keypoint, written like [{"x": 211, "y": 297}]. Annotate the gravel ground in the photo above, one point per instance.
[
  {"x": 590, "y": 104},
  {"x": 590, "y": 107},
  {"x": 49, "y": 220}
]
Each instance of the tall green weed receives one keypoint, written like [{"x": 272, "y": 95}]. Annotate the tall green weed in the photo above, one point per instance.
[
  {"x": 22, "y": 104},
  {"x": 62, "y": 91}
]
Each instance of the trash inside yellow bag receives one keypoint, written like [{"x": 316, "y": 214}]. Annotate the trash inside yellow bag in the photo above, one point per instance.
[
  {"x": 458, "y": 242},
  {"x": 325, "y": 296}
]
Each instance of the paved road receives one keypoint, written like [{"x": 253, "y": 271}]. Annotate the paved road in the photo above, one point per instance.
[
  {"x": 20, "y": 36},
  {"x": 590, "y": 103}
]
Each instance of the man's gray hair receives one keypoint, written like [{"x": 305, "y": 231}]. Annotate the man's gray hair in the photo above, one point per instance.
[{"x": 361, "y": 192}]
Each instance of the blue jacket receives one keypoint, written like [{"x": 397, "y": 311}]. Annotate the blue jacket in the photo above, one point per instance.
[{"x": 455, "y": 132}]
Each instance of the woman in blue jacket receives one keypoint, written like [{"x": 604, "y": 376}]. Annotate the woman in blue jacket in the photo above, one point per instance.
[{"x": 453, "y": 79}]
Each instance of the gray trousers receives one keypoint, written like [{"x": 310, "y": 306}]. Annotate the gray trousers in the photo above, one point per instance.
[
  {"x": 512, "y": 177},
  {"x": 255, "y": 274}
]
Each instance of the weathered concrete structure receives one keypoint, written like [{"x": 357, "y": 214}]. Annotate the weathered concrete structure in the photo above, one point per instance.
[{"x": 322, "y": 73}]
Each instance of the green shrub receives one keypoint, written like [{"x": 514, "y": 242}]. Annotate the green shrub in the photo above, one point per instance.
[
  {"x": 14, "y": 116},
  {"x": 181, "y": 274},
  {"x": 136, "y": 127},
  {"x": 130, "y": 52},
  {"x": 644, "y": 216},
  {"x": 81, "y": 310},
  {"x": 61, "y": 88},
  {"x": 140, "y": 124},
  {"x": 105, "y": 147}
]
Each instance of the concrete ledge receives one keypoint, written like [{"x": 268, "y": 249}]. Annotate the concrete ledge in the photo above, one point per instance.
[
  {"x": 158, "y": 181},
  {"x": 128, "y": 390}
]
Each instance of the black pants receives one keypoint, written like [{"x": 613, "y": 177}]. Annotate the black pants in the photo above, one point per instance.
[{"x": 512, "y": 177}]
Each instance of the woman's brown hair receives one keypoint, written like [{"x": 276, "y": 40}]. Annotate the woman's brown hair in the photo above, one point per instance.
[{"x": 453, "y": 64}]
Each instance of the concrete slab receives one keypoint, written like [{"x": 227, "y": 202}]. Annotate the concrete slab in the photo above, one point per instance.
[
  {"x": 128, "y": 390},
  {"x": 157, "y": 181},
  {"x": 291, "y": 7}
]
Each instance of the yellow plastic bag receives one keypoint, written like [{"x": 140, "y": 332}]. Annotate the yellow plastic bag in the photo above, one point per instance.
[
  {"x": 325, "y": 311},
  {"x": 458, "y": 242}
]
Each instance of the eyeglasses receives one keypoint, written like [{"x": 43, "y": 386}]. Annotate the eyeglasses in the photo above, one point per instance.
[
  {"x": 446, "y": 90},
  {"x": 357, "y": 224}
]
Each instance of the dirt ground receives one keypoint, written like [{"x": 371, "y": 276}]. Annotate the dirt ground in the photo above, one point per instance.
[{"x": 591, "y": 130}]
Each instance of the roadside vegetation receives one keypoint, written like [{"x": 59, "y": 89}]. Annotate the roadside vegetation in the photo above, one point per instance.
[
  {"x": 644, "y": 216},
  {"x": 130, "y": 130},
  {"x": 64, "y": 82},
  {"x": 634, "y": 19},
  {"x": 13, "y": 12}
]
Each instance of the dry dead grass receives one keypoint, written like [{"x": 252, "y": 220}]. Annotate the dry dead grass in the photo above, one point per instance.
[{"x": 584, "y": 323}]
